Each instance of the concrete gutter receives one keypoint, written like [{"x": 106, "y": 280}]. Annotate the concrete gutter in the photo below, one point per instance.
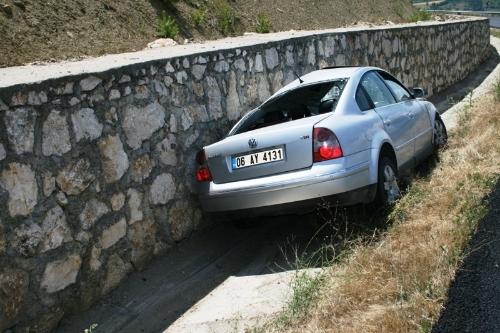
[
  {"x": 31, "y": 74},
  {"x": 240, "y": 303},
  {"x": 451, "y": 116}
]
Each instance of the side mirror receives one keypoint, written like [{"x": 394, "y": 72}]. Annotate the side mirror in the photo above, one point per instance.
[{"x": 419, "y": 92}]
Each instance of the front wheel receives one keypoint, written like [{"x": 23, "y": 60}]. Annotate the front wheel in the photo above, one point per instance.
[
  {"x": 440, "y": 134},
  {"x": 387, "y": 186}
]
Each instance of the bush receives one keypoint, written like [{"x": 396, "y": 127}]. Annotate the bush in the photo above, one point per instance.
[
  {"x": 167, "y": 27},
  {"x": 226, "y": 19},
  {"x": 421, "y": 15},
  {"x": 198, "y": 17},
  {"x": 263, "y": 24}
]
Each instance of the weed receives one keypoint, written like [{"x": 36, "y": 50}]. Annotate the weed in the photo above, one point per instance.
[
  {"x": 167, "y": 27},
  {"x": 425, "y": 326},
  {"x": 90, "y": 329},
  {"x": 226, "y": 19},
  {"x": 495, "y": 33},
  {"x": 263, "y": 24},
  {"x": 198, "y": 17},
  {"x": 464, "y": 117},
  {"x": 421, "y": 15},
  {"x": 496, "y": 90}
]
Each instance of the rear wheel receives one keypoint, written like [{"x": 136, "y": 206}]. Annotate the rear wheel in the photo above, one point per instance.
[
  {"x": 387, "y": 186},
  {"x": 440, "y": 134}
]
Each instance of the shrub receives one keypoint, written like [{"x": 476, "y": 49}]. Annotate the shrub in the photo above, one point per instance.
[
  {"x": 421, "y": 15},
  {"x": 226, "y": 19},
  {"x": 168, "y": 27},
  {"x": 198, "y": 17},
  {"x": 263, "y": 24}
]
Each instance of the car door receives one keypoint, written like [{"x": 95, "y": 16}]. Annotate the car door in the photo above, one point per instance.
[
  {"x": 422, "y": 127},
  {"x": 397, "y": 120}
]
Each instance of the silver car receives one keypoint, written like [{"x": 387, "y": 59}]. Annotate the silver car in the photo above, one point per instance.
[{"x": 341, "y": 134}]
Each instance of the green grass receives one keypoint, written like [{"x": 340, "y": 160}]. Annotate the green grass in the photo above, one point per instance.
[
  {"x": 167, "y": 27},
  {"x": 226, "y": 19},
  {"x": 198, "y": 17},
  {"x": 495, "y": 33},
  {"x": 496, "y": 90},
  {"x": 263, "y": 26},
  {"x": 421, "y": 15},
  {"x": 306, "y": 288}
]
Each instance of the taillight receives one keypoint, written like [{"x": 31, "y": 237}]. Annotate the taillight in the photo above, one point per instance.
[
  {"x": 326, "y": 146},
  {"x": 203, "y": 174}
]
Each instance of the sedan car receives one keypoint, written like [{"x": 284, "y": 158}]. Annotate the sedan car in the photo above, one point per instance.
[{"x": 341, "y": 134}]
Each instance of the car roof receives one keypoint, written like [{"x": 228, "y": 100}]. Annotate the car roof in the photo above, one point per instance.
[
  {"x": 330, "y": 73},
  {"x": 322, "y": 75}
]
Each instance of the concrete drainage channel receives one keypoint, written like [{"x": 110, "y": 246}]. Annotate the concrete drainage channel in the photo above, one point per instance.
[{"x": 230, "y": 279}]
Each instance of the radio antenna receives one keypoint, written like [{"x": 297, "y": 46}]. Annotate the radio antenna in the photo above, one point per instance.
[{"x": 298, "y": 77}]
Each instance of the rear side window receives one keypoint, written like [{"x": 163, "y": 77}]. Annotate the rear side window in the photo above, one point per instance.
[
  {"x": 362, "y": 99},
  {"x": 302, "y": 102},
  {"x": 377, "y": 90}
]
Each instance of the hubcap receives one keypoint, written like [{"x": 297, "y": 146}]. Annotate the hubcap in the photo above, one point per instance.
[
  {"x": 439, "y": 134},
  {"x": 390, "y": 184}
]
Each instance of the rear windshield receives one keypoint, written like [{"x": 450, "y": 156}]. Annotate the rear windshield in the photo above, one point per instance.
[{"x": 302, "y": 102}]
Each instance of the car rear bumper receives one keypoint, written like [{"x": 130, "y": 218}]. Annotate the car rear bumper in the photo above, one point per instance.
[{"x": 324, "y": 179}]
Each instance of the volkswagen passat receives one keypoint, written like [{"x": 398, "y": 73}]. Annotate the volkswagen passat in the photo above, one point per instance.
[{"x": 343, "y": 134}]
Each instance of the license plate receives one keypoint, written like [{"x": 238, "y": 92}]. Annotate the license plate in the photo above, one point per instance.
[{"x": 257, "y": 158}]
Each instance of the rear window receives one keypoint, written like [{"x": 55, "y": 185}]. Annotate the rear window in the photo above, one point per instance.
[{"x": 302, "y": 102}]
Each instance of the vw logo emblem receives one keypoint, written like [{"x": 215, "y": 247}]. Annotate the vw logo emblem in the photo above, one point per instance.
[{"x": 252, "y": 143}]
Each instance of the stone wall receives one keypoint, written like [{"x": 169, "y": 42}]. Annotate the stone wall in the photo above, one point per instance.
[{"x": 97, "y": 170}]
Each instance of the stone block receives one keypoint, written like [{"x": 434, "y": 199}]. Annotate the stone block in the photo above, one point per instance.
[
  {"x": 93, "y": 211},
  {"x": 20, "y": 182},
  {"x": 162, "y": 190},
  {"x": 140, "y": 123},
  {"x": 14, "y": 284},
  {"x": 55, "y": 135},
  {"x": 86, "y": 125},
  {"x": 60, "y": 274},
  {"x": 89, "y": 83},
  {"x": 20, "y": 125},
  {"x": 114, "y": 159},
  {"x": 75, "y": 177},
  {"x": 55, "y": 229},
  {"x": 113, "y": 234}
]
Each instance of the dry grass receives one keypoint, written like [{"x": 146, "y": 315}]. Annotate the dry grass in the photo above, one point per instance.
[{"x": 398, "y": 283}]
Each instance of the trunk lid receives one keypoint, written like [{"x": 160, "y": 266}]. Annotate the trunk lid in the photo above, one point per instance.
[{"x": 294, "y": 137}]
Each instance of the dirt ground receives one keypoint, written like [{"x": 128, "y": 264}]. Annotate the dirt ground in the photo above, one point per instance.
[{"x": 51, "y": 30}]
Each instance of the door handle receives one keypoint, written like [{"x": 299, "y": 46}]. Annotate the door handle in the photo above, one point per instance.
[
  {"x": 411, "y": 115},
  {"x": 387, "y": 122}
]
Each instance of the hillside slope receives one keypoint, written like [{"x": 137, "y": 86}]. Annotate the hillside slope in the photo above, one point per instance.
[{"x": 51, "y": 30}]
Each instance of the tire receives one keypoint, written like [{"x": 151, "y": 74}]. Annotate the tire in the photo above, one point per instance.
[
  {"x": 440, "y": 136},
  {"x": 387, "y": 185}
]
